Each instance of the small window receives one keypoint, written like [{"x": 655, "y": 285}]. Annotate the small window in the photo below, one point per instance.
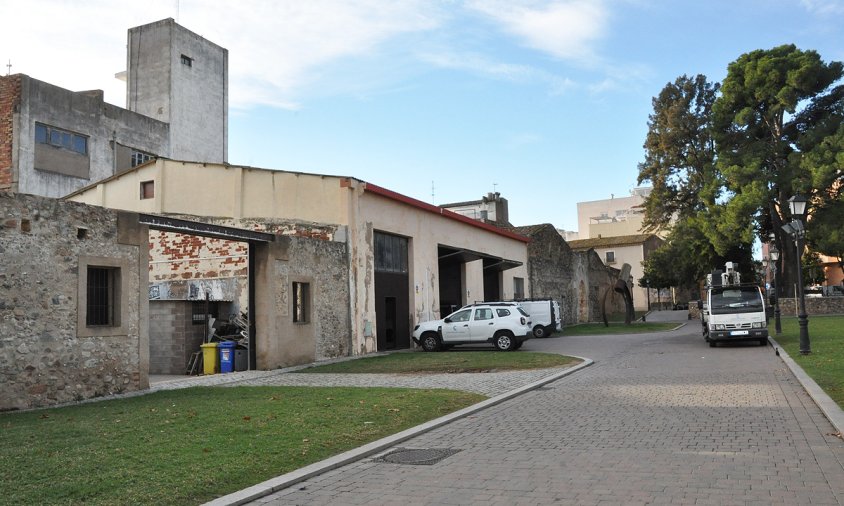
[
  {"x": 40, "y": 134},
  {"x": 80, "y": 144},
  {"x": 187, "y": 61},
  {"x": 610, "y": 256},
  {"x": 101, "y": 297},
  {"x": 502, "y": 312},
  {"x": 61, "y": 139},
  {"x": 301, "y": 302},
  {"x": 139, "y": 157},
  {"x": 147, "y": 189},
  {"x": 198, "y": 308},
  {"x": 518, "y": 288}
]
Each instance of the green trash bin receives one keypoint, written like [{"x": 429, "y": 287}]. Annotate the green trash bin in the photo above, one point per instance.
[{"x": 209, "y": 358}]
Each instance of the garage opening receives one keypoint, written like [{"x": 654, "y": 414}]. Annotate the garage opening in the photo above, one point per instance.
[{"x": 201, "y": 291}]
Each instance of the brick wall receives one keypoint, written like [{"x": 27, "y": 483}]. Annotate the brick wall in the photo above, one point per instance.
[{"x": 10, "y": 94}]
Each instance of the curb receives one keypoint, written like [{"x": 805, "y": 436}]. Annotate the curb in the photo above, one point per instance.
[
  {"x": 286, "y": 480},
  {"x": 830, "y": 408}
]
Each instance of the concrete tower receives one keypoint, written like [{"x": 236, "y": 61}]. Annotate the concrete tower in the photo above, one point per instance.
[{"x": 178, "y": 77}]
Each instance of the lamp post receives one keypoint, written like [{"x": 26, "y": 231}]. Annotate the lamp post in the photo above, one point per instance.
[
  {"x": 797, "y": 205},
  {"x": 774, "y": 253}
]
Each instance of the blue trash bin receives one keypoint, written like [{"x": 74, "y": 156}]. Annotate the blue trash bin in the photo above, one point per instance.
[{"x": 226, "y": 355}]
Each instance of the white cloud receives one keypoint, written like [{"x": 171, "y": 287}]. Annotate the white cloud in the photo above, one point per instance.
[
  {"x": 481, "y": 65},
  {"x": 824, "y": 7},
  {"x": 564, "y": 29},
  {"x": 276, "y": 48}
]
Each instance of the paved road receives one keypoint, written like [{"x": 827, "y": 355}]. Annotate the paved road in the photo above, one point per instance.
[{"x": 659, "y": 419}]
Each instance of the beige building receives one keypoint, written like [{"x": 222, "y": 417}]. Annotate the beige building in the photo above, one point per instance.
[
  {"x": 616, "y": 216},
  {"x": 620, "y": 250},
  {"x": 408, "y": 261}
]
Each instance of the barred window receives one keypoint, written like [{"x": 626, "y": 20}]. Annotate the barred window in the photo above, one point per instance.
[{"x": 390, "y": 253}]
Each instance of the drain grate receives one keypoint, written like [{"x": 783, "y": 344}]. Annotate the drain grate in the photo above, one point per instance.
[{"x": 419, "y": 457}]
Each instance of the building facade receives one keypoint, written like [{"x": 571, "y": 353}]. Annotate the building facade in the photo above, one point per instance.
[
  {"x": 54, "y": 141},
  {"x": 408, "y": 261},
  {"x": 616, "y": 216}
]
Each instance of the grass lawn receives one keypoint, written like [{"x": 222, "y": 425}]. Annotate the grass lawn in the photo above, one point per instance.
[
  {"x": 189, "y": 446},
  {"x": 447, "y": 362},
  {"x": 590, "y": 329},
  {"x": 826, "y": 362}
]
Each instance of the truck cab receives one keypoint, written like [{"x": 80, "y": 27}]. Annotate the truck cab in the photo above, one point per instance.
[{"x": 732, "y": 310}]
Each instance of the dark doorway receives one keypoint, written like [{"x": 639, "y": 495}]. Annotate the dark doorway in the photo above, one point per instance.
[
  {"x": 392, "y": 292},
  {"x": 492, "y": 284},
  {"x": 451, "y": 286}
]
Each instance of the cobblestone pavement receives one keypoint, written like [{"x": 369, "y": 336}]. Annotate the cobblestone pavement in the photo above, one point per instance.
[{"x": 659, "y": 419}]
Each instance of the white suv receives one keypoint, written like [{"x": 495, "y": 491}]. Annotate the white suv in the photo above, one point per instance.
[{"x": 504, "y": 324}]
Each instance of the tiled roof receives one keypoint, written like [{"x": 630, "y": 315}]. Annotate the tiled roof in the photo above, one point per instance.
[{"x": 608, "y": 242}]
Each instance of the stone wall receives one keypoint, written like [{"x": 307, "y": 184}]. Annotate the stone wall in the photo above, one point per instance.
[
  {"x": 577, "y": 280},
  {"x": 814, "y": 305},
  {"x": 48, "y": 353}
]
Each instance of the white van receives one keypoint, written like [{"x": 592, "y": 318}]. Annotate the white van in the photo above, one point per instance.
[{"x": 545, "y": 315}]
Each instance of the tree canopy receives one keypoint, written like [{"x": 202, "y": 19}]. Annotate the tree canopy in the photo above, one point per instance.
[{"x": 731, "y": 156}]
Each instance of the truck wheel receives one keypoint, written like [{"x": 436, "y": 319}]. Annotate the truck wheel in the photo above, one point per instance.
[
  {"x": 763, "y": 342},
  {"x": 430, "y": 341},
  {"x": 504, "y": 341},
  {"x": 711, "y": 344},
  {"x": 539, "y": 332}
]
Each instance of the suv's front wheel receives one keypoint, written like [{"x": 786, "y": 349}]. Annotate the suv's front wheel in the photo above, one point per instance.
[
  {"x": 430, "y": 341},
  {"x": 504, "y": 341}
]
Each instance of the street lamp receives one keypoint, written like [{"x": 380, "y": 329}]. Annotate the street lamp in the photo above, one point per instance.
[
  {"x": 797, "y": 229},
  {"x": 774, "y": 253}
]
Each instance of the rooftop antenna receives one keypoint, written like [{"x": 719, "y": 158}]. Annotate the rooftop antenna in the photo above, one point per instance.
[
  {"x": 432, "y": 192},
  {"x": 177, "y": 11},
  {"x": 494, "y": 186},
  {"x": 9, "y": 68}
]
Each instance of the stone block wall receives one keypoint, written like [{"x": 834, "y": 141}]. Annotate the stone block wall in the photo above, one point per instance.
[
  {"x": 814, "y": 305},
  {"x": 48, "y": 354}
]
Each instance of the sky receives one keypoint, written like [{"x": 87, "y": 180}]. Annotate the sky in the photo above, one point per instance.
[{"x": 546, "y": 102}]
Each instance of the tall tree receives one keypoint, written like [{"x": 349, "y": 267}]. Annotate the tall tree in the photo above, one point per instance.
[
  {"x": 778, "y": 114},
  {"x": 680, "y": 152}
]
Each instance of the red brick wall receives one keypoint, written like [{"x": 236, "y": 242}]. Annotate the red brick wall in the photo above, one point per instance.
[
  {"x": 10, "y": 95},
  {"x": 182, "y": 256}
]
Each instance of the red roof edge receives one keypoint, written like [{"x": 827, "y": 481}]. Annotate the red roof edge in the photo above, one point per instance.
[{"x": 404, "y": 199}]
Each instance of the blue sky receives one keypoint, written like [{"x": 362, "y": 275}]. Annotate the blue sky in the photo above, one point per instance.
[{"x": 546, "y": 102}]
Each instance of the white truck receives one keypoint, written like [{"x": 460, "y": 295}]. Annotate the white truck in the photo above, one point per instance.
[
  {"x": 545, "y": 315},
  {"x": 732, "y": 310}
]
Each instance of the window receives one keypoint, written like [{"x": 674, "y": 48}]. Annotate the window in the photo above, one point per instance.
[
  {"x": 518, "y": 288},
  {"x": 610, "y": 257},
  {"x": 59, "y": 138},
  {"x": 147, "y": 189},
  {"x": 101, "y": 297},
  {"x": 502, "y": 312},
  {"x": 390, "y": 253},
  {"x": 198, "y": 311},
  {"x": 301, "y": 302},
  {"x": 187, "y": 61},
  {"x": 483, "y": 313},
  {"x": 139, "y": 157},
  {"x": 461, "y": 316}
]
